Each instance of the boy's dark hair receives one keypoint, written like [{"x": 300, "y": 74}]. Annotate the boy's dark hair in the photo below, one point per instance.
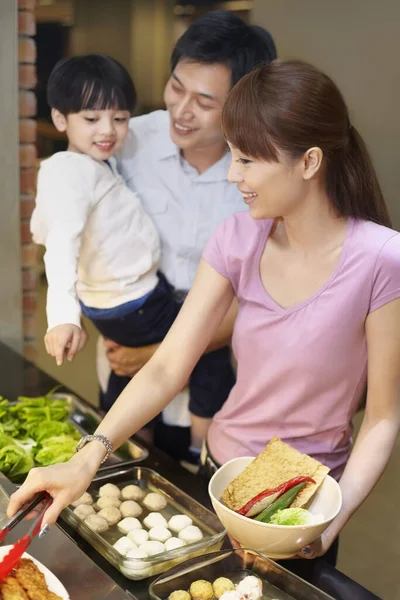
[
  {"x": 90, "y": 82},
  {"x": 222, "y": 37}
]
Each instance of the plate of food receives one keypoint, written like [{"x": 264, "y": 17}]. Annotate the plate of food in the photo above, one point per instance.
[
  {"x": 30, "y": 580},
  {"x": 277, "y": 502},
  {"x": 238, "y": 574}
]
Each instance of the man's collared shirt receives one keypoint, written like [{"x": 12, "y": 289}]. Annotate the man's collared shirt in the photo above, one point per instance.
[{"x": 185, "y": 207}]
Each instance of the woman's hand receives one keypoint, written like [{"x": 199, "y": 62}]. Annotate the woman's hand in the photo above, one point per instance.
[
  {"x": 64, "y": 482},
  {"x": 318, "y": 548},
  {"x": 126, "y": 362}
]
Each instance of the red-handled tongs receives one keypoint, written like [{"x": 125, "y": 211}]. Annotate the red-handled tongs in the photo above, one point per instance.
[{"x": 11, "y": 559}]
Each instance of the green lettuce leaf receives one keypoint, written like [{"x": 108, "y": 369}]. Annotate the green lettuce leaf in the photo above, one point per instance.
[
  {"x": 291, "y": 516},
  {"x": 55, "y": 449},
  {"x": 48, "y": 429},
  {"x": 15, "y": 459}
]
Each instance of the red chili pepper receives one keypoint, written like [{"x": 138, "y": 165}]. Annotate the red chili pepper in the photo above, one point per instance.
[{"x": 263, "y": 499}]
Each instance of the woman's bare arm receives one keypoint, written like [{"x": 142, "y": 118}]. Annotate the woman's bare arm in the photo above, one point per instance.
[{"x": 381, "y": 422}]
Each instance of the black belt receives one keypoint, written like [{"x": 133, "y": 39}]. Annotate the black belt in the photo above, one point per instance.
[{"x": 209, "y": 465}]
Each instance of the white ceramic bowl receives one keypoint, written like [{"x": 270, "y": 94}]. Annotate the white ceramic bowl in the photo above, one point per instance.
[{"x": 276, "y": 541}]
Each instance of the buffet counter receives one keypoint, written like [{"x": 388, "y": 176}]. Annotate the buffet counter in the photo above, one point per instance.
[{"x": 84, "y": 571}]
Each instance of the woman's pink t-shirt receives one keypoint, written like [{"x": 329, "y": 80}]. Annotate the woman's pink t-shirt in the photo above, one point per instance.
[{"x": 301, "y": 370}]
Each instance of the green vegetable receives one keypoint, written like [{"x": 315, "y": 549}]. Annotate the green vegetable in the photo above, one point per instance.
[
  {"x": 35, "y": 430},
  {"x": 48, "y": 429},
  {"x": 36, "y": 410},
  {"x": 55, "y": 450},
  {"x": 15, "y": 459},
  {"x": 280, "y": 503},
  {"x": 4, "y": 404},
  {"x": 291, "y": 516}
]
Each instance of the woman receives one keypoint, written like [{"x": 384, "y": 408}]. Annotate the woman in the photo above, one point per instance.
[{"x": 316, "y": 273}]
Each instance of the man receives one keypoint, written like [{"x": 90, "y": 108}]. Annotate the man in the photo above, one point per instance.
[{"x": 177, "y": 161}]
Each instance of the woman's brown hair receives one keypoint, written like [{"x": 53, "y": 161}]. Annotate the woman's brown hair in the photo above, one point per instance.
[{"x": 289, "y": 106}]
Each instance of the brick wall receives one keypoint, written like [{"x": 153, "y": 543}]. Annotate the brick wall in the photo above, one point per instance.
[{"x": 27, "y": 150}]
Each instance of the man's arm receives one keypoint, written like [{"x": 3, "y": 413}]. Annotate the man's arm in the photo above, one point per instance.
[{"x": 126, "y": 362}]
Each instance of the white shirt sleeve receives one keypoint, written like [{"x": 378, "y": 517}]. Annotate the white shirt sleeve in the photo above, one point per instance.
[{"x": 63, "y": 204}]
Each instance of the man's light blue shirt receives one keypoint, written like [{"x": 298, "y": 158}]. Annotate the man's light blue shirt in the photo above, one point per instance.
[{"x": 186, "y": 207}]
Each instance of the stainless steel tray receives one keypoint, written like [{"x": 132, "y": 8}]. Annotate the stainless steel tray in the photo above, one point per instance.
[
  {"x": 278, "y": 583},
  {"x": 86, "y": 419},
  {"x": 178, "y": 502}
]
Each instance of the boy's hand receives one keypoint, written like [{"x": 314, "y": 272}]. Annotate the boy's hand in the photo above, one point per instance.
[{"x": 64, "y": 340}]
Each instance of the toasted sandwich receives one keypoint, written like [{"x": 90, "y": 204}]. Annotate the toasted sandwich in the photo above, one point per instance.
[{"x": 274, "y": 471}]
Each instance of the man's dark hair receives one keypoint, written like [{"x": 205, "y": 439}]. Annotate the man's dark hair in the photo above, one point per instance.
[
  {"x": 222, "y": 37},
  {"x": 90, "y": 82}
]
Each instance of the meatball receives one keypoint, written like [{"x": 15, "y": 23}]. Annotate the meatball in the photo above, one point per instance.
[
  {"x": 222, "y": 585},
  {"x": 154, "y": 519},
  {"x": 159, "y": 534},
  {"x": 155, "y": 501},
  {"x": 179, "y": 522},
  {"x": 111, "y": 514},
  {"x": 84, "y": 510},
  {"x": 128, "y": 524},
  {"x": 107, "y": 502},
  {"x": 179, "y": 595},
  {"x": 109, "y": 489},
  {"x": 201, "y": 590},
  {"x": 152, "y": 547},
  {"x": 96, "y": 523},
  {"x": 174, "y": 543},
  {"x": 138, "y": 536},
  {"x": 132, "y": 492},
  {"x": 231, "y": 595},
  {"x": 130, "y": 508},
  {"x": 190, "y": 534},
  {"x": 138, "y": 569},
  {"x": 123, "y": 545},
  {"x": 250, "y": 587},
  {"x": 86, "y": 498}
]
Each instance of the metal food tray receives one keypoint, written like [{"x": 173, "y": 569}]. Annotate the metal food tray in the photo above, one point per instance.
[
  {"x": 178, "y": 502},
  {"x": 278, "y": 582},
  {"x": 87, "y": 419}
]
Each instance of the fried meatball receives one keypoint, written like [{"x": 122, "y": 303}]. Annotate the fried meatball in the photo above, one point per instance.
[
  {"x": 179, "y": 595},
  {"x": 130, "y": 508},
  {"x": 96, "y": 523},
  {"x": 111, "y": 514},
  {"x": 155, "y": 501},
  {"x": 132, "y": 492},
  {"x": 84, "y": 510},
  {"x": 109, "y": 489},
  {"x": 107, "y": 501},
  {"x": 86, "y": 498},
  {"x": 222, "y": 585},
  {"x": 201, "y": 590}
]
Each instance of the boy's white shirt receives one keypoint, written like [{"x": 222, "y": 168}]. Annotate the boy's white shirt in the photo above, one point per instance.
[
  {"x": 101, "y": 247},
  {"x": 185, "y": 207}
]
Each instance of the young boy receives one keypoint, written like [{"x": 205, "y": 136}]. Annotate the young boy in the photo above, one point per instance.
[{"x": 102, "y": 250}]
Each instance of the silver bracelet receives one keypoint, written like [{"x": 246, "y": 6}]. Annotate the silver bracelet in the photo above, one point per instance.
[{"x": 100, "y": 438}]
